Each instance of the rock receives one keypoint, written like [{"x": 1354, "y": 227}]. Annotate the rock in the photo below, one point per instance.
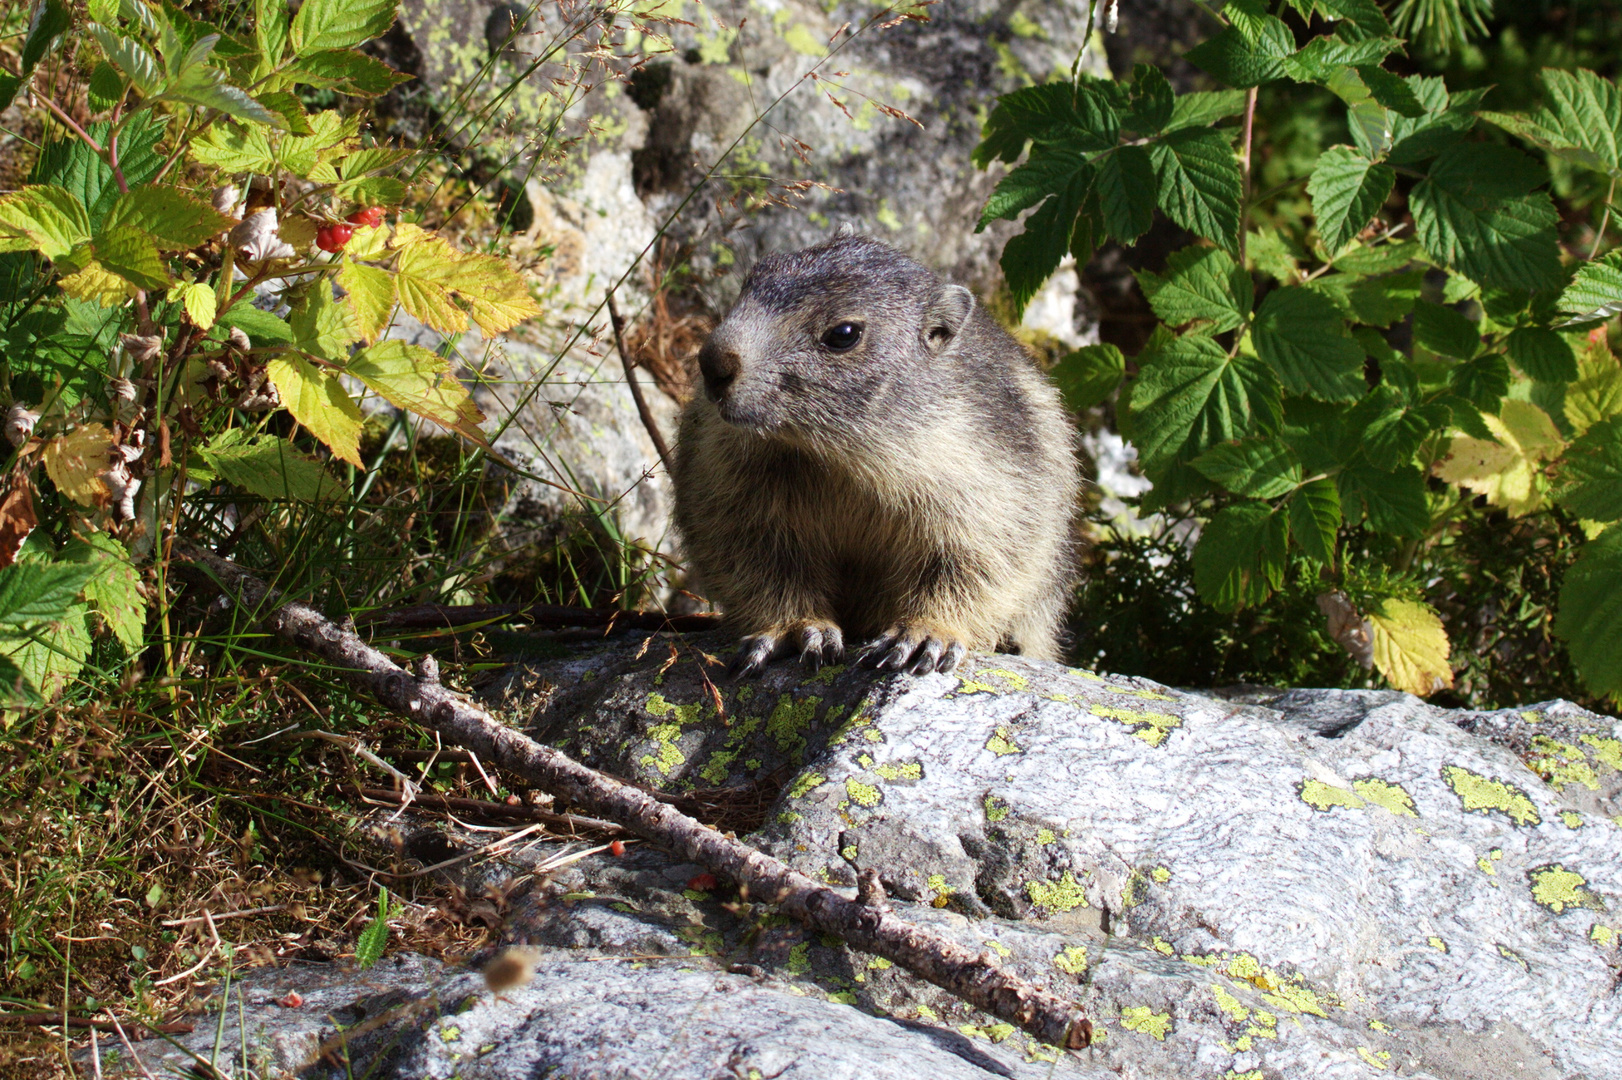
[{"x": 1251, "y": 884}]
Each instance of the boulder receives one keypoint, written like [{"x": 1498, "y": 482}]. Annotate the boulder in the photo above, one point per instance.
[{"x": 1258, "y": 884}]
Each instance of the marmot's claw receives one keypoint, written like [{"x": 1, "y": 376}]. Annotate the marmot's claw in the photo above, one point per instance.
[
  {"x": 820, "y": 644},
  {"x": 754, "y": 652},
  {"x": 912, "y": 650}
]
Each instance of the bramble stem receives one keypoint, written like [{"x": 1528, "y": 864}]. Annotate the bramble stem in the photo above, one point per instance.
[
  {"x": 1605, "y": 219},
  {"x": 1244, "y": 167}
]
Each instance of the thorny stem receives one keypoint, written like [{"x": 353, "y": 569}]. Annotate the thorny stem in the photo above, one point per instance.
[
  {"x": 1244, "y": 165},
  {"x": 1605, "y": 219}
]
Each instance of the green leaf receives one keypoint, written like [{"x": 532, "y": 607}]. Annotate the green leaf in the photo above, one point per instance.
[
  {"x": 1364, "y": 14},
  {"x": 1476, "y": 212},
  {"x": 1153, "y": 101},
  {"x": 419, "y": 381},
  {"x": 1382, "y": 301},
  {"x": 131, "y": 58},
  {"x": 115, "y": 592},
  {"x": 1204, "y": 109},
  {"x": 323, "y": 325},
  {"x": 1125, "y": 186},
  {"x": 1200, "y": 186},
  {"x": 47, "y": 655},
  {"x": 1444, "y": 331},
  {"x": 348, "y": 72},
  {"x": 43, "y": 217},
  {"x": 1323, "y": 56},
  {"x": 132, "y": 255},
  {"x": 318, "y": 401},
  {"x": 262, "y": 327},
  {"x": 1200, "y": 284},
  {"x": 1447, "y": 119},
  {"x": 1580, "y": 121},
  {"x": 1048, "y": 172},
  {"x": 71, "y": 164},
  {"x": 1347, "y": 190},
  {"x": 207, "y": 87},
  {"x": 1259, "y": 468},
  {"x": 1393, "y": 502},
  {"x": 1240, "y": 558},
  {"x": 1190, "y": 395},
  {"x": 1596, "y": 292},
  {"x": 1542, "y": 354},
  {"x": 1299, "y": 334},
  {"x": 270, "y": 24},
  {"x": 371, "y": 296},
  {"x": 1089, "y": 375},
  {"x": 1590, "y": 615},
  {"x": 1597, "y": 392},
  {"x": 232, "y": 148},
  {"x": 51, "y": 19},
  {"x": 1393, "y": 432},
  {"x": 1482, "y": 382},
  {"x": 33, "y": 592},
  {"x": 106, "y": 87},
  {"x": 1589, "y": 483},
  {"x": 1315, "y": 520},
  {"x": 339, "y": 24},
  {"x": 1390, "y": 91},
  {"x": 1379, "y": 258},
  {"x": 268, "y": 466},
  {"x": 1027, "y": 259},
  {"x": 374, "y": 937},
  {"x": 1234, "y": 61},
  {"x": 173, "y": 219}
]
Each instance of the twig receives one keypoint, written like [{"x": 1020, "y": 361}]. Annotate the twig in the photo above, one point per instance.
[
  {"x": 642, "y": 409},
  {"x": 241, "y": 913},
  {"x": 449, "y": 803},
  {"x": 1605, "y": 220},
  {"x": 445, "y": 616},
  {"x": 130, "y": 1049},
  {"x": 48, "y": 1019},
  {"x": 867, "y": 927}
]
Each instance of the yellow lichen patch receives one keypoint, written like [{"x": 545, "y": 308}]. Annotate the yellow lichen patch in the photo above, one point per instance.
[
  {"x": 943, "y": 891},
  {"x": 1229, "y": 1004},
  {"x": 1089, "y": 675},
  {"x": 998, "y": 947},
  {"x": 1132, "y": 691},
  {"x": 789, "y": 722},
  {"x": 1436, "y": 943},
  {"x": 804, "y": 783},
  {"x": 905, "y": 770},
  {"x": 1012, "y": 678},
  {"x": 879, "y": 963},
  {"x": 1063, "y": 895},
  {"x": 1601, "y": 935},
  {"x": 864, "y": 795},
  {"x": 1608, "y": 751},
  {"x": 1385, "y": 794},
  {"x": 1325, "y": 797},
  {"x": 1002, "y": 743},
  {"x": 1513, "y": 957},
  {"x": 1152, "y": 728},
  {"x": 1561, "y": 764},
  {"x": 1160, "y": 874},
  {"x": 1477, "y": 792},
  {"x": 1557, "y": 888},
  {"x": 1296, "y": 997},
  {"x": 1571, "y": 819},
  {"x": 1253, "y": 1074},
  {"x": 685, "y": 714},
  {"x": 996, "y": 809},
  {"x": 1380, "y": 1059},
  {"x": 1379, "y": 1025},
  {"x": 1045, "y": 836},
  {"x": 667, "y": 756},
  {"x": 1072, "y": 960},
  {"x": 826, "y": 675},
  {"x": 1485, "y": 863},
  {"x": 1241, "y": 966},
  {"x": 1145, "y": 1021},
  {"x": 926, "y": 1013},
  {"x": 1161, "y": 946}
]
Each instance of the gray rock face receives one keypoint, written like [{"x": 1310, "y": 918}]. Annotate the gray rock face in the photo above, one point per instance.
[{"x": 1266, "y": 885}]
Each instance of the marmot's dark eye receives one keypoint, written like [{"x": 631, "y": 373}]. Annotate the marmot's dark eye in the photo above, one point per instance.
[{"x": 842, "y": 336}]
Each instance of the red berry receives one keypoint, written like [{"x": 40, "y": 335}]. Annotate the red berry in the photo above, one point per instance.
[
  {"x": 369, "y": 216},
  {"x": 333, "y": 237},
  {"x": 702, "y": 882},
  {"x": 617, "y": 847}
]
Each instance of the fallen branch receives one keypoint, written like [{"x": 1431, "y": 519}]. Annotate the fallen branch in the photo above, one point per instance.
[
  {"x": 488, "y": 809},
  {"x": 869, "y": 926},
  {"x": 445, "y": 616}
]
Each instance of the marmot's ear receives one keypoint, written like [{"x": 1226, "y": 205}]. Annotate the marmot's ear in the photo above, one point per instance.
[
  {"x": 846, "y": 228},
  {"x": 946, "y": 315}
]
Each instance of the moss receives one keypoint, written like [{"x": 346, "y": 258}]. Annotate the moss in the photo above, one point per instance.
[
  {"x": 799, "y": 958},
  {"x": 1325, "y": 797},
  {"x": 1072, "y": 960},
  {"x": 1385, "y": 794},
  {"x": 1557, "y": 888},
  {"x": 1066, "y": 894},
  {"x": 1481, "y": 793},
  {"x": 1145, "y": 1021}
]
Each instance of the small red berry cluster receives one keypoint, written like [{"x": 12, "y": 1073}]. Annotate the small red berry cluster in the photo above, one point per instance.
[{"x": 334, "y": 237}]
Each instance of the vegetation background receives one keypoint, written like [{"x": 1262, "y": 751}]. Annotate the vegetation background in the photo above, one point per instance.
[{"x": 159, "y": 758}]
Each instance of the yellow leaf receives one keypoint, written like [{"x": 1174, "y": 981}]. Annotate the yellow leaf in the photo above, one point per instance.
[
  {"x": 424, "y": 276},
  {"x": 297, "y": 232},
  {"x": 1509, "y": 472},
  {"x": 371, "y": 296},
  {"x": 99, "y": 284},
  {"x": 406, "y": 234},
  {"x": 75, "y": 462},
  {"x": 318, "y": 401},
  {"x": 1411, "y": 647},
  {"x": 412, "y": 378},
  {"x": 1597, "y": 393},
  {"x": 199, "y": 301},
  {"x": 495, "y": 293},
  {"x": 369, "y": 242}
]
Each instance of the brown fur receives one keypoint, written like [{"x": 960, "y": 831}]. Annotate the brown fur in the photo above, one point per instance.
[{"x": 915, "y": 491}]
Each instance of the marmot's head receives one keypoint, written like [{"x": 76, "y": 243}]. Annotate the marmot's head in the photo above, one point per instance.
[{"x": 816, "y": 335}]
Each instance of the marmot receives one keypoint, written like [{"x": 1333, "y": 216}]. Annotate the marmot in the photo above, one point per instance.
[{"x": 873, "y": 457}]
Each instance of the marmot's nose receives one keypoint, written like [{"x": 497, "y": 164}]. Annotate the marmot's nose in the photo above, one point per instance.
[{"x": 720, "y": 367}]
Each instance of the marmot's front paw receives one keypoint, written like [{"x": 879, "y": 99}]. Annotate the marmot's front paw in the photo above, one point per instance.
[
  {"x": 915, "y": 647},
  {"x": 816, "y": 640}
]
